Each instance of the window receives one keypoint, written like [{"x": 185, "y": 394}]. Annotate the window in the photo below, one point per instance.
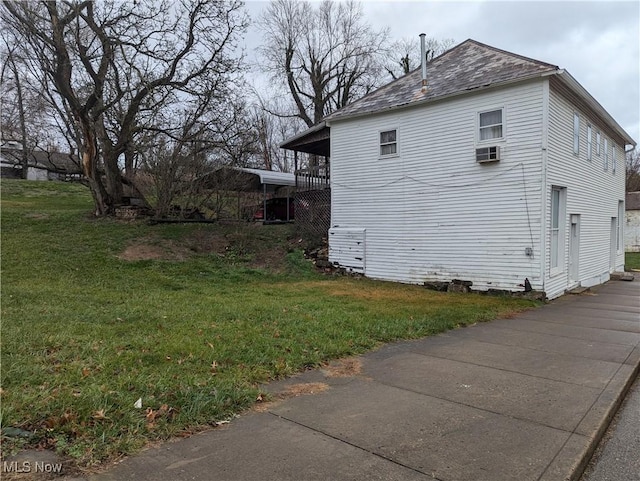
[
  {"x": 613, "y": 158},
  {"x": 490, "y": 125},
  {"x": 557, "y": 228},
  {"x": 598, "y": 144},
  {"x": 576, "y": 133},
  {"x": 388, "y": 142},
  {"x": 589, "y": 146},
  {"x": 606, "y": 154}
]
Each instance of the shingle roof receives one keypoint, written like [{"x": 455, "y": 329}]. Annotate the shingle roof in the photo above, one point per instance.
[
  {"x": 51, "y": 161},
  {"x": 468, "y": 66}
]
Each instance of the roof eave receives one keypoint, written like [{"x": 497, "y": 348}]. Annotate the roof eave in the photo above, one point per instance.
[
  {"x": 588, "y": 99},
  {"x": 291, "y": 140}
]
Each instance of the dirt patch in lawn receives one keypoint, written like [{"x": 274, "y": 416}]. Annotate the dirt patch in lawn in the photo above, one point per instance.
[
  {"x": 147, "y": 249},
  {"x": 197, "y": 242}
]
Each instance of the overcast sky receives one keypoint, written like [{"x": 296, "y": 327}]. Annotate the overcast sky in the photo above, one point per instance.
[{"x": 598, "y": 42}]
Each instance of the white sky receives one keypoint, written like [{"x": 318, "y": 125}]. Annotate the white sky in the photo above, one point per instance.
[{"x": 598, "y": 42}]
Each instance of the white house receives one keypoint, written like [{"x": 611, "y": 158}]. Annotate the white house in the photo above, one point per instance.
[
  {"x": 500, "y": 169},
  {"x": 632, "y": 222},
  {"x": 41, "y": 164}
]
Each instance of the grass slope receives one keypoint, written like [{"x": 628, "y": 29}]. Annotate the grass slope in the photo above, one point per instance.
[{"x": 87, "y": 331}]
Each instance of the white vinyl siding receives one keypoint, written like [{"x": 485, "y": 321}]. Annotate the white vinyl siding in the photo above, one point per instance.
[
  {"x": 435, "y": 213},
  {"x": 591, "y": 193}
]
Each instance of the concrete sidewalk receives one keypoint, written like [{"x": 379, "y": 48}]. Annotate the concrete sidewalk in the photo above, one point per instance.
[{"x": 516, "y": 399}]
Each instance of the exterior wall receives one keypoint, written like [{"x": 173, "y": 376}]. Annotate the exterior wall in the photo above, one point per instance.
[
  {"x": 432, "y": 213},
  {"x": 632, "y": 231},
  {"x": 33, "y": 173},
  {"x": 591, "y": 192}
]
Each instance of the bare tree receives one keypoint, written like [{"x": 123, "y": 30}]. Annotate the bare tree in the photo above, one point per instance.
[
  {"x": 403, "y": 55},
  {"x": 632, "y": 179},
  {"x": 112, "y": 63},
  {"x": 325, "y": 54}
]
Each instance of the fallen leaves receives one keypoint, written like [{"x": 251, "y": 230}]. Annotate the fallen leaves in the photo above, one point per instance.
[{"x": 153, "y": 415}]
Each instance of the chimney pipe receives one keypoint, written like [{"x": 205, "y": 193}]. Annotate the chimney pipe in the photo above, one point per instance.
[{"x": 423, "y": 60}]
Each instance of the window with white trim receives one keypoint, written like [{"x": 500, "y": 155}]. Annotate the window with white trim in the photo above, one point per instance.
[
  {"x": 490, "y": 125},
  {"x": 589, "y": 146},
  {"x": 388, "y": 142},
  {"x": 557, "y": 228},
  {"x": 613, "y": 157},
  {"x": 576, "y": 133},
  {"x": 606, "y": 154},
  {"x": 598, "y": 144}
]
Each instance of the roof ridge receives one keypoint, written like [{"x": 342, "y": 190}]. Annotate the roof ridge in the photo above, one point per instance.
[{"x": 496, "y": 49}]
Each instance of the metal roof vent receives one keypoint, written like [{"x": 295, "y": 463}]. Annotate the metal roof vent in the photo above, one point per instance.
[{"x": 423, "y": 60}]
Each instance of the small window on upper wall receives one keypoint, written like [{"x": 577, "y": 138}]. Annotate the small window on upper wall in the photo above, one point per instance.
[
  {"x": 606, "y": 154},
  {"x": 598, "y": 144},
  {"x": 576, "y": 133},
  {"x": 589, "y": 145},
  {"x": 490, "y": 124},
  {"x": 613, "y": 158},
  {"x": 388, "y": 142}
]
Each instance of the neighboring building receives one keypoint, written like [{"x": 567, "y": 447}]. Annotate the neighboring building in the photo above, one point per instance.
[
  {"x": 632, "y": 222},
  {"x": 41, "y": 165},
  {"x": 502, "y": 169}
]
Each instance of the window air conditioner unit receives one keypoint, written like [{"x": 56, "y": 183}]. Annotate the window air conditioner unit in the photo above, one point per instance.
[{"x": 488, "y": 154}]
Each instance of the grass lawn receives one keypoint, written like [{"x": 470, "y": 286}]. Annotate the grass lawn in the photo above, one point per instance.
[
  {"x": 632, "y": 260},
  {"x": 190, "y": 318}
]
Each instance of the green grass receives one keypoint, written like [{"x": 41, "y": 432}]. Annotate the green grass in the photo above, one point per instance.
[
  {"x": 86, "y": 333},
  {"x": 632, "y": 260}
]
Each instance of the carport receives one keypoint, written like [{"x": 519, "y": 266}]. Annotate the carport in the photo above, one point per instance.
[{"x": 243, "y": 179}]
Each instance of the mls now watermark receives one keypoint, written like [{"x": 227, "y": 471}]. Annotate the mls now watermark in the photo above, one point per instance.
[{"x": 31, "y": 467}]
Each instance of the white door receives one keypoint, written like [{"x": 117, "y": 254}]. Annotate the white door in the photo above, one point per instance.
[
  {"x": 574, "y": 248},
  {"x": 614, "y": 241}
]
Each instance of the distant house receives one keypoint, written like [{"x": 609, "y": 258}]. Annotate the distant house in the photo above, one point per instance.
[
  {"x": 501, "y": 168},
  {"x": 41, "y": 165},
  {"x": 632, "y": 222}
]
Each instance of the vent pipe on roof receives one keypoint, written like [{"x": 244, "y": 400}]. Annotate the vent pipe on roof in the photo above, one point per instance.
[{"x": 423, "y": 59}]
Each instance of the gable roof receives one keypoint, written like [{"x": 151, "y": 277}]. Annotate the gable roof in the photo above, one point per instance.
[
  {"x": 468, "y": 66},
  {"x": 41, "y": 159}
]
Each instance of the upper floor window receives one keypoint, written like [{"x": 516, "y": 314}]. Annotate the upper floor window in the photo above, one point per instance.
[
  {"x": 613, "y": 158},
  {"x": 388, "y": 142},
  {"x": 576, "y": 133},
  {"x": 598, "y": 143},
  {"x": 606, "y": 154},
  {"x": 491, "y": 125},
  {"x": 589, "y": 145}
]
